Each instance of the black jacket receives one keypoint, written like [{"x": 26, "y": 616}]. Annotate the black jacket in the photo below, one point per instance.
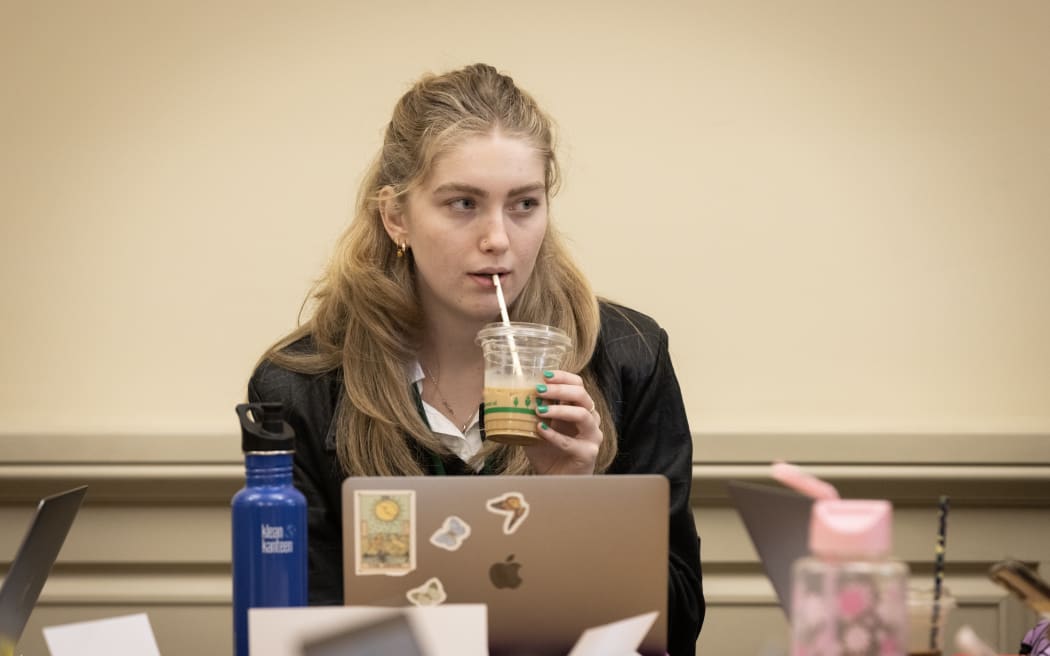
[{"x": 634, "y": 371}]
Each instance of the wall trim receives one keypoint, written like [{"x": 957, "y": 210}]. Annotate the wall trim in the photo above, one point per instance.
[
  {"x": 978, "y": 469},
  {"x": 960, "y": 448}
]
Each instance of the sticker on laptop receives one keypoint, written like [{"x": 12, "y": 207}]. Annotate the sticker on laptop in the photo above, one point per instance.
[
  {"x": 430, "y": 593},
  {"x": 385, "y": 532},
  {"x": 452, "y": 534},
  {"x": 513, "y": 507}
]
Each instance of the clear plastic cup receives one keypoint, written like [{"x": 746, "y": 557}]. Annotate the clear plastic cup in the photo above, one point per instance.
[
  {"x": 924, "y": 624},
  {"x": 515, "y": 358}
]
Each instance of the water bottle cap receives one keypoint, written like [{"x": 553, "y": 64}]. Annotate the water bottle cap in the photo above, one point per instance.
[
  {"x": 263, "y": 428},
  {"x": 851, "y": 527}
]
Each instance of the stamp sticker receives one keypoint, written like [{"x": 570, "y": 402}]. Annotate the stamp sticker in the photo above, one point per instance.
[
  {"x": 513, "y": 507},
  {"x": 430, "y": 593},
  {"x": 385, "y": 532},
  {"x": 453, "y": 532}
]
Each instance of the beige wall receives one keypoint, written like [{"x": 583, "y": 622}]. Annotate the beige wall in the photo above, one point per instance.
[{"x": 838, "y": 210}]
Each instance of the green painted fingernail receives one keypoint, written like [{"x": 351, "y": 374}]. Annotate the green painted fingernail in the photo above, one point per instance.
[
  {"x": 542, "y": 409},
  {"x": 541, "y": 388},
  {"x": 543, "y": 426},
  {"x": 548, "y": 374}
]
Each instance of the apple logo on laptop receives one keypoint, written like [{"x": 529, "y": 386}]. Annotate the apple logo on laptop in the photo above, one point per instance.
[{"x": 505, "y": 574}]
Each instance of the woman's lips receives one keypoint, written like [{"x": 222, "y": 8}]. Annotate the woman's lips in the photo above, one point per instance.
[{"x": 485, "y": 279}]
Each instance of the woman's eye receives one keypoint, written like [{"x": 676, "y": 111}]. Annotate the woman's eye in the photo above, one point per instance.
[
  {"x": 526, "y": 204},
  {"x": 462, "y": 204}
]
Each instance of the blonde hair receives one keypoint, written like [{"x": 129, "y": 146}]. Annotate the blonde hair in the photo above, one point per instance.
[{"x": 366, "y": 316}]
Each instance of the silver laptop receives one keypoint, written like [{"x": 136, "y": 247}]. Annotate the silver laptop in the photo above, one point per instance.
[
  {"x": 551, "y": 556},
  {"x": 777, "y": 520},
  {"x": 32, "y": 563}
]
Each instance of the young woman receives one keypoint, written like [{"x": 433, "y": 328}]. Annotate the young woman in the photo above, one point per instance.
[{"x": 385, "y": 377}]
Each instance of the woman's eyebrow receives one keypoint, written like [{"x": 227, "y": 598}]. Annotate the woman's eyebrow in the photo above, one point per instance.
[
  {"x": 459, "y": 187},
  {"x": 527, "y": 189}
]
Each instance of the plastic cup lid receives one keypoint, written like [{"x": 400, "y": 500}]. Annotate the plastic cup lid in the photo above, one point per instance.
[{"x": 521, "y": 330}]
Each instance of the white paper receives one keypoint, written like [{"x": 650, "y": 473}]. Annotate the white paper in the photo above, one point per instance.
[
  {"x": 620, "y": 638},
  {"x": 445, "y": 630},
  {"x": 128, "y": 635}
]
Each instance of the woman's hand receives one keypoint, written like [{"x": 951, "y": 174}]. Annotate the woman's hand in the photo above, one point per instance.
[{"x": 570, "y": 428}]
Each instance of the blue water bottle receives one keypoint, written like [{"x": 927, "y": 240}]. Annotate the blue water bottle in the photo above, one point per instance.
[{"x": 269, "y": 521}]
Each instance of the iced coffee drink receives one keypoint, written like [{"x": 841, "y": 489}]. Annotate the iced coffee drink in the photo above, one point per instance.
[{"x": 516, "y": 355}]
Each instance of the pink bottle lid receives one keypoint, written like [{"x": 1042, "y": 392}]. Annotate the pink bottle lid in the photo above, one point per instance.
[{"x": 851, "y": 527}]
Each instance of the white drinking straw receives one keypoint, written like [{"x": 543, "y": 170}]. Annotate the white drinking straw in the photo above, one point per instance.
[{"x": 506, "y": 322}]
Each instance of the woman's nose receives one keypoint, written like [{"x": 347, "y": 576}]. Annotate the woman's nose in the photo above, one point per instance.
[{"x": 495, "y": 239}]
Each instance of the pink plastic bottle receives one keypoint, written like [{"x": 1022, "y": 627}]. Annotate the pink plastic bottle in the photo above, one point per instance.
[{"x": 849, "y": 596}]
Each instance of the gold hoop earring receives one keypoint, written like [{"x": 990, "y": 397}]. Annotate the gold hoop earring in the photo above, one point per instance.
[{"x": 401, "y": 248}]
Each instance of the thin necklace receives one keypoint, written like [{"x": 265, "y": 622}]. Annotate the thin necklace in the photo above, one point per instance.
[{"x": 444, "y": 402}]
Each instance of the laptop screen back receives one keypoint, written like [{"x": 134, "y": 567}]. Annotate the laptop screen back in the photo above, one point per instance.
[
  {"x": 392, "y": 635},
  {"x": 551, "y": 556},
  {"x": 33, "y": 561},
  {"x": 777, "y": 520}
]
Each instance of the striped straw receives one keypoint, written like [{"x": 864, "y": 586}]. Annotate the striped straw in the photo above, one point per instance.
[{"x": 938, "y": 568}]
